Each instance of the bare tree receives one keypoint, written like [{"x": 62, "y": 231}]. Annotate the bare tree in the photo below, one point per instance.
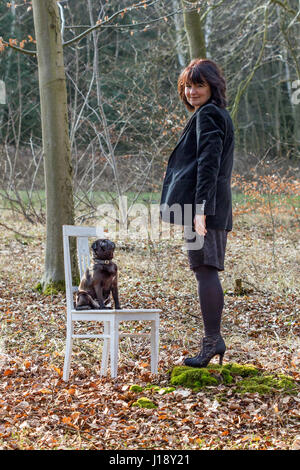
[{"x": 55, "y": 131}]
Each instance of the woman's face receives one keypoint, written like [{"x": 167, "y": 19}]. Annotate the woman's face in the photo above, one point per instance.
[{"x": 197, "y": 94}]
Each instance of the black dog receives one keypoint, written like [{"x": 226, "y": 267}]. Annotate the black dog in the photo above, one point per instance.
[{"x": 100, "y": 279}]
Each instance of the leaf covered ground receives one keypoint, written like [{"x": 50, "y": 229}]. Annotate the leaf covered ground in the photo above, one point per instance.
[{"x": 38, "y": 410}]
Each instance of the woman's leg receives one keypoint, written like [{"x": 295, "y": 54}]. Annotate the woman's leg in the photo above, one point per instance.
[{"x": 211, "y": 298}]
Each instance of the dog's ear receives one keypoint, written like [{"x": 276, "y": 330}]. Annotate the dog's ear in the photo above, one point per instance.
[{"x": 94, "y": 245}]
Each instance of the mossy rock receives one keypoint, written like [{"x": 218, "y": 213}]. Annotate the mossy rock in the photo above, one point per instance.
[
  {"x": 267, "y": 384},
  {"x": 197, "y": 378},
  {"x": 192, "y": 378},
  {"x": 252, "y": 379},
  {"x": 221, "y": 371},
  {"x": 242, "y": 370},
  {"x": 144, "y": 402}
]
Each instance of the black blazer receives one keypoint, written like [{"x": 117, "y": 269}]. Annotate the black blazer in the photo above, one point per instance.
[{"x": 198, "y": 176}]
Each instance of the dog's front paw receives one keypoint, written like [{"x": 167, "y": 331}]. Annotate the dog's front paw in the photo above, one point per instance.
[{"x": 103, "y": 307}]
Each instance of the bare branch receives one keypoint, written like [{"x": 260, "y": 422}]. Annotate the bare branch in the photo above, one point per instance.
[
  {"x": 285, "y": 7},
  {"x": 19, "y": 49},
  {"x": 109, "y": 20},
  {"x": 98, "y": 25}
]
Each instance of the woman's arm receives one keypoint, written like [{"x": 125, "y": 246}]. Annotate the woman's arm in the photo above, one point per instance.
[{"x": 209, "y": 129}]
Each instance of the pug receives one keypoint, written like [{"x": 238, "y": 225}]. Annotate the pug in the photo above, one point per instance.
[{"x": 100, "y": 279}]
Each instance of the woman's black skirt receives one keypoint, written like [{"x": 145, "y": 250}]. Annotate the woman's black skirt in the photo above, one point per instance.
[{"x": 210, "y": 251}]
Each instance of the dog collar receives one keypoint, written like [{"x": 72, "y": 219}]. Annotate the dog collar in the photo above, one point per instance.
[{"x": 103, "y": 261}]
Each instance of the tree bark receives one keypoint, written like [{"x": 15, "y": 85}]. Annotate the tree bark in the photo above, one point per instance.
[
  {"x": 56, "y": 144},
  {"x": 286, "y": 49},
  {"x": 178, "y": 33},
  {"x": 194, "y": 31},
  {"x": 208, "y": 32}
]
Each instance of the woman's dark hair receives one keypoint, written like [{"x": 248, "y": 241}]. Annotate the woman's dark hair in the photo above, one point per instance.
[{"x": 204, "y": 71}]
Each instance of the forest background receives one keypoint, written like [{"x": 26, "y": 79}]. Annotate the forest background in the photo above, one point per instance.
[
  {"x": 124, "y": 119},
  {"x": 140, "y": 117}
]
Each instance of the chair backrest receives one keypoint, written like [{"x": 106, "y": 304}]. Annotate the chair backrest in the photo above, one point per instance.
[{"x": 82, "y": 235}]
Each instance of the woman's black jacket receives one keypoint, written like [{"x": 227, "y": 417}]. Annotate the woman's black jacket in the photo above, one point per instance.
[{"x": 198, "y": 176}]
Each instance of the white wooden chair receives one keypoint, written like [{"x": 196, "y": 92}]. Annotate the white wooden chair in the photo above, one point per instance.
[{"x": 110, "y": 318}]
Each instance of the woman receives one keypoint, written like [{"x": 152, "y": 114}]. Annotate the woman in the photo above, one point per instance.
[{"x": 196, "y": 192}]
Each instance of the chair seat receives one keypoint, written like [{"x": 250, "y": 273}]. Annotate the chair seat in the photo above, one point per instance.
[
  {"x": 121, "y": 311},
  {"x": 122, "y": 315}
]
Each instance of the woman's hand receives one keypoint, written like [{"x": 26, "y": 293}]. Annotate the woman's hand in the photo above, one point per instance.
[{"x": 200, "y": 224}]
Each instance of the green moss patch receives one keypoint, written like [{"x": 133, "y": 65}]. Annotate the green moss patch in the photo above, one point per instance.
[
  {"x": 192, "y": 378},
  {"x": 164, "y": 390},
  {"x": 243, "y": 370},
  {"x": 267, "y": 384},
  {"x": 144, "y": 402},
  {"x": 247, "y": 378},
  {"x": 38, "y": 287},
  {"x": 53, "y": 288},
  {"x": 136, "y": 388},
  {"x": 222, "y": 374},
  {"x": 152, "y": 388}
]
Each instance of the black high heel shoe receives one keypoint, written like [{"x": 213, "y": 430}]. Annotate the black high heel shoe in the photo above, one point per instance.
[{"x": 211, "y": 346}]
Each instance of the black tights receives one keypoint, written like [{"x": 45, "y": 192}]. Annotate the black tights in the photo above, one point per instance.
[{"x": 211, "y": 298}]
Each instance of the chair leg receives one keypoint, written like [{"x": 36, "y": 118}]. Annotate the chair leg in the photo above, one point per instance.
[
  {"x": 105, "y": 349},
  {"x": 154, "y": 345},
  {"x": 114, "y": 346},
  {"x": 68, "y": 353}
]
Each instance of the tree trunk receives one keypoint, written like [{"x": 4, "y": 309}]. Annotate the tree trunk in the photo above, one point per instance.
[
  {"x": 178, "y": 34},
  {"x": 195, "y": 34},
  {"x": 208, "y": 32},
  {"x": 8, "y": 63},
  {"x": 56, "y": 144},
  {"x": 286, "y": 50}
]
